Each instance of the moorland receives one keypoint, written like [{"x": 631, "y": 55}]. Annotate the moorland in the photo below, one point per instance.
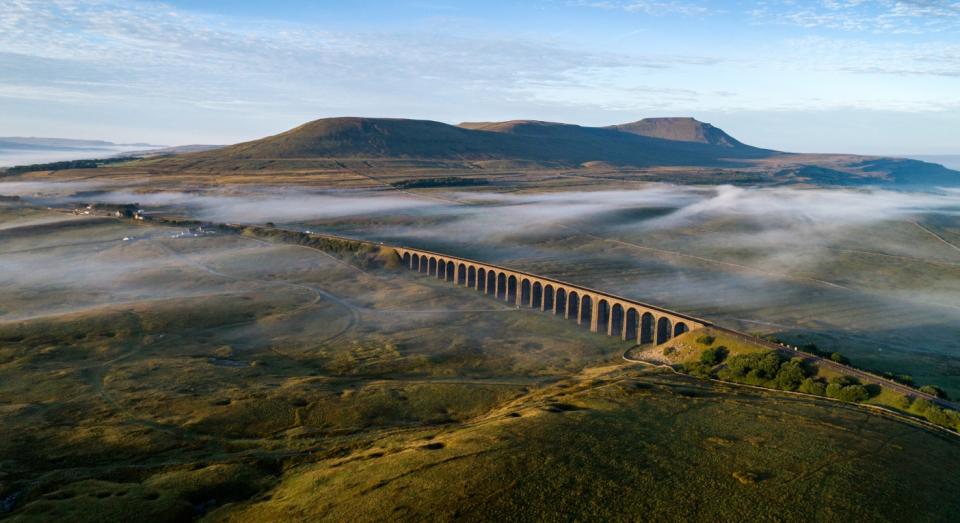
[{"x": 158, "y": 368}]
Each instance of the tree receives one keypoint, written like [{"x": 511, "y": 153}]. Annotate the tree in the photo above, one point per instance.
[
  {"x": 706, "y": 339},
  {"x": 839, "y": 358},
  {"x": 833, "y": 390},
  {"x": 854, "y": 393},
  {"x": 753, "y": 369},
  {"x": 812, "y": 386},
  {"x": 699, "y": 369},
  {"x": 844, "y": 380},
  {"x": 713, "y": 355},
  {"x": 790, "y": 375},
  {"x": 769, "y": 365}
]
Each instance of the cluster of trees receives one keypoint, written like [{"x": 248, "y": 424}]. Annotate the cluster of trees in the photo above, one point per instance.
[
  {"x": 933, "y": 390},
  {"x": 905, "y": 379},
  {"x": 363, "y": 254},
  {"x": 934, "y": 414},
  {"x": 59, "y": 166},
  {"x": 447, "y": 181},
  {"x": 847, "y": 388},
  {"x": 765, "y": 369},
  {"x": 770, "y": 370}
]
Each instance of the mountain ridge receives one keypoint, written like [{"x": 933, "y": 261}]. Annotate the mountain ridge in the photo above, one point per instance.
[
  {"x": 550, "y": 142},
  {"x": 648, "y": 144}
]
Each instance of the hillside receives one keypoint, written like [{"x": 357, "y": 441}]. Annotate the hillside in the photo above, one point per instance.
[
  {"x": 680, "y": 129},
  {"x": 551, "y": 144},
  {"x": 681, "y": 150}
]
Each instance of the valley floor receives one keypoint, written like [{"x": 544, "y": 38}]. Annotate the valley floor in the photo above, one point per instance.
[{"x": 148, "y": 372}]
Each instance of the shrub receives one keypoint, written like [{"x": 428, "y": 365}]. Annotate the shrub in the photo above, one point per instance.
[
  {"x": 844, "y": 380},
  {"x": 447, "y": 181},
  {"x": 833, "y": 390},
  {"x": 922, "y": 405},
  {"x": 906, "y": 379},
  {"x": 812, "y": 386},
  {"x": 939, "y": 416},
  {"x": 706, "y": 339},
  {"x": 713, "y": 355},
  {"x": 753, "y": 369},
  {"x": 902, "y": 402},
  {"x": 791, "y": 375},
  {"x": 854, "y": 393},
  {"x": 847, "y": 390},
  {"x": 933, "y": 390},
  {"x": 839, "y": 358},
  {"x": 698, "y": 369}
]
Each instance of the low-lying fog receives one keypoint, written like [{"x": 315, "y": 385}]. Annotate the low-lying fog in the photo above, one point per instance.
[
  {"x": 521, "y": 212},
  {"x": 12, "y": 157},
  {"x": 711, "y": 250}
]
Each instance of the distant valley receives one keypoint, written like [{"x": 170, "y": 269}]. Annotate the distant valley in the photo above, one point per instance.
[{"x": 18, "y": 150}]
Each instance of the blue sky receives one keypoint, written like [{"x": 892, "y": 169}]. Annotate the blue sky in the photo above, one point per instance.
[{"x": 874, "y": 77}]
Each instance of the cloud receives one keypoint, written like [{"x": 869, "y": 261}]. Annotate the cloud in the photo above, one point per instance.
[
  {"x": 650, "y": 7},
  {"x": 915, "y": 59},
  {"x": 869, "y": 16},
  {"x": 148, "y": 71},
  {"x": 110, "y": 51}
]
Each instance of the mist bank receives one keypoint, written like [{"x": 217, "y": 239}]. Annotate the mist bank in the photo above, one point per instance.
[
  {"x": 500, "y": 216},
  {"x": 881, "y": 267},
  {"x": 15, "y": 157}
]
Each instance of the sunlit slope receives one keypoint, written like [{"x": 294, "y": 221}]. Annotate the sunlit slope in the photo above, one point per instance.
[
  {"x": 540, "y": 142},
  {"x": 363, "y": 145},
  {"x": 633, "y": 446},
  {"x": 681, "y": 129}
]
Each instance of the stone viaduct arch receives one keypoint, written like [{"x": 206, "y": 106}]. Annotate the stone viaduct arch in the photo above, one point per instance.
[{"x": 602, "y": 312}]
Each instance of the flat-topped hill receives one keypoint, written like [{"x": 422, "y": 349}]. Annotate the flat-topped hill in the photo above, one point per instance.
[
  {"x": 663, "y": 149},
  {"x": 541, "y": 142},
  {"x": 680, "y": 129}
]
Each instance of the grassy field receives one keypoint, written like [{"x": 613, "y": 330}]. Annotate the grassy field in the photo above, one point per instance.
[
  {"x": 224, "y": 377},
  {"x": 883, "y": 292},
  {"x": 631, "y": 443}
]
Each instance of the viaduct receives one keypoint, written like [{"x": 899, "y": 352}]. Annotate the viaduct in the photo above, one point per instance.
[{"x": 603, "y": 313}]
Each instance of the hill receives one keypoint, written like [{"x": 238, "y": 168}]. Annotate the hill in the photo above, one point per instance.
[
  {"x": 664, "y": 149},
  {"x": 545, "y": 143},
  {"x": 680, "y": 129}
]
